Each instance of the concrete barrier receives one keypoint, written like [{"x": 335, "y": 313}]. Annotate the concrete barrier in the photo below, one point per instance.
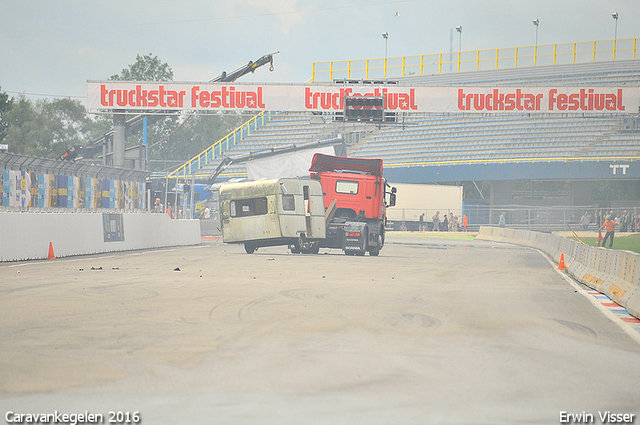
[
  {"x": 613, "y": 273},
  {"x": 26, "y": 236}
]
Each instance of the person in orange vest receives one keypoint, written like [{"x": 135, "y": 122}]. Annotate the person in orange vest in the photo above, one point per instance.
[
  {"x": 465, "y": 221},
  {"x": 609, "y": 227}
]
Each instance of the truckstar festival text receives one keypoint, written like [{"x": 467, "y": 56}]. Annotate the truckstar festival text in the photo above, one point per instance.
[{"x": 281, "y": 97}]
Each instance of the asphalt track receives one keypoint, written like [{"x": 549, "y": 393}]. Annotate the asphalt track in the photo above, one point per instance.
[{"x": 432, "y": 331}]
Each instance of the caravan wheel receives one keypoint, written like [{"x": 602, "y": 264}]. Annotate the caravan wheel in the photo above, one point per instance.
[{"x": 250, "y": 248}]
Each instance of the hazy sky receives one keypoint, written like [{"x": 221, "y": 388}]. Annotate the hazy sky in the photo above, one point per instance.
[{"x": 52, "y": 47}]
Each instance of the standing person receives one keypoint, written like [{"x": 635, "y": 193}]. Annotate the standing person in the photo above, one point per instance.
[
  {"x": 502, "y": 221},
  {"x": 445, "y": 224},
  {"x": 436, "y": 221},
  {"x": 584, "y": 221},
  {"x": 421, "y": 223},
  {"x": 158, "y": 207},
  {"x": 625, "y": 221},
  {"x": 609, "y": 227},
  {"x": 205, "y": 214},
  {"x": 465, "y": 221}
]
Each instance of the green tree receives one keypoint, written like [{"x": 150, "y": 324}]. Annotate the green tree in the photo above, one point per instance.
[
  {"x": 145, "y": 68},
  {"x": 46, "y": 128},
  {"x": 5, "y": 106}
]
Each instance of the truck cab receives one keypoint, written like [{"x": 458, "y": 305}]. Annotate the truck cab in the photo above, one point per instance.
[{"x": 355, "y": 198}]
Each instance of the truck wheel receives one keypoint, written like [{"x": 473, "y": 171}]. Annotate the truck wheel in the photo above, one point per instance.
[
  {"x": 315, "y": 248},
  {"x": 366, "y": 245},
  {"x": 375, "y": 251},
  {"x": 250, "y": 248}
]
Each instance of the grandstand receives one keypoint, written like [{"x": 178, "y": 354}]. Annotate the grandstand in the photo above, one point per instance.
[{"x": 497, "y": 148}]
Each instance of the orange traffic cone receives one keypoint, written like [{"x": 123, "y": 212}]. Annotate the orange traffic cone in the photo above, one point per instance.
[
  {"x": 561, "y": 264},
  {"x": 51, "y": 254}
]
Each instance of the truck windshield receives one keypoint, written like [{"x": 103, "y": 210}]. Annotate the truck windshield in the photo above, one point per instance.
[{"x": 347, "y": 186}]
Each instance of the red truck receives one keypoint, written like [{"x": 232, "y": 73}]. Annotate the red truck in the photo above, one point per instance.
[{"x": 355, "y": 201}]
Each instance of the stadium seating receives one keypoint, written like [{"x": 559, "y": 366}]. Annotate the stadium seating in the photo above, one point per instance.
[{"x": 433, "y": 138}]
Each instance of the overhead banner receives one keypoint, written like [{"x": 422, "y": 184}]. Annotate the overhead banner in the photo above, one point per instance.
[{"x": 109, "y": 95}]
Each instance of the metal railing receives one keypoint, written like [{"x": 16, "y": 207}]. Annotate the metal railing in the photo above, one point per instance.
[
  {"x": 32, "y": 184},
  {"x": 214, "y": 151},
  {"x": 508, "y": 160},
  {"x": 512, "y": 57},
  {"x": 525, "y": 217}
]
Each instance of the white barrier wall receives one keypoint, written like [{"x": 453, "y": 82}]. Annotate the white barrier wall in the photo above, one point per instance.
[
  {"x": 613, "y": 273},
  {"x": 26, "y": 236}
]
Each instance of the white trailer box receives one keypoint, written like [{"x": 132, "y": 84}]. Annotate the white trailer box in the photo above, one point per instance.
[{"x": 415, "y": 199}]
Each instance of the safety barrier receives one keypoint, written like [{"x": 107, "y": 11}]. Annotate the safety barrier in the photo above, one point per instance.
[
  {"x": 511, "y": 57},
  {"x": 28, "y": 236},
  {"x": 613, "y": 273}
]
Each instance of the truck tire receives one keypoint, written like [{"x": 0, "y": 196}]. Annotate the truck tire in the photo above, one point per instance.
[
  {"x": 375, "y": 251},
  {"x": 250, "y": 248}
]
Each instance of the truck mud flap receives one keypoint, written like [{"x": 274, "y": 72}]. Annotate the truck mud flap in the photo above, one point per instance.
[{"x": 355, "y": 238}]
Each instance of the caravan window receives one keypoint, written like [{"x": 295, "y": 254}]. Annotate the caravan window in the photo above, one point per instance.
[
  {"x": 248, "y": 207},
  {"x": 288, "y": 203}
]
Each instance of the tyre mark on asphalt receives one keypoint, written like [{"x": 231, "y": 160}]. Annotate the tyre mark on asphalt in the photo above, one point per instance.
[
  {"x": 255, "y": 302},
  {"x": 577, "y": 328}
]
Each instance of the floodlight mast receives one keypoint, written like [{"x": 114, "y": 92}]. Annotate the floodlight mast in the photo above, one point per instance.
[
  {"x": 385, "y": 35},
  {"x": 536, "y": 22}
]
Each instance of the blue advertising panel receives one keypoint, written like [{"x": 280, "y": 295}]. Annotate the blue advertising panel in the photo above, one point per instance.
[
  {"x": 41, "y": 190},
  {"x": 105, "y": 193},
  {"x": 6, "y": 182},
  {"x": 70, "y": 192},
  {"x": 62, "y": 191},
  {"x": 539, "y": 170}
]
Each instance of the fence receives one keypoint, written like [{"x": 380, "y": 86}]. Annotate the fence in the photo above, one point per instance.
[
  {"x": 512, "y": 57},
  {"x": 534, "y": 218},
  {"x": 46, "y": 185}
]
